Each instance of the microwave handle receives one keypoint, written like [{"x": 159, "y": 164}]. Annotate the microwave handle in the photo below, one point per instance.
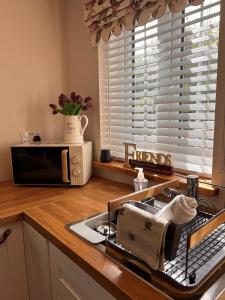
[{"x": 64, "y": 166}]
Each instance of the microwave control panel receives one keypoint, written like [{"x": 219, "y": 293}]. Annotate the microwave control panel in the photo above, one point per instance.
[{"x": 80, "y": 163}]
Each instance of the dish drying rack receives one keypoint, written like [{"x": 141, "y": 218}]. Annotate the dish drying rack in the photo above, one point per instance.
[{"x": 194, "y": 252}]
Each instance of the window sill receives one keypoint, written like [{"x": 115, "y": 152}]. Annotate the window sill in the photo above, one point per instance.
[{"x": 118, "y": 166}]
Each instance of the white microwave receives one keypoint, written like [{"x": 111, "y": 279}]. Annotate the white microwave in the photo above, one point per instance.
[{"x": 51, "y": 163}]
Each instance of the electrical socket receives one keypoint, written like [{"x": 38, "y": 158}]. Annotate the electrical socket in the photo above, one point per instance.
[{"x": 27, "y": 137}]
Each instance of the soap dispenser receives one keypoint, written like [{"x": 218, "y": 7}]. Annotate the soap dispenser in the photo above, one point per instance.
[{"x": 140, "y": 183}]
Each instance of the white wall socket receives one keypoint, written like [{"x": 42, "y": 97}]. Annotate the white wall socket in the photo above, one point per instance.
[{"x": 27, "y": 137}]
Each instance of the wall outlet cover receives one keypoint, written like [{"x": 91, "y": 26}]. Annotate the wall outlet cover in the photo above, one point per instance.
[{"x": 27, "y": 137}]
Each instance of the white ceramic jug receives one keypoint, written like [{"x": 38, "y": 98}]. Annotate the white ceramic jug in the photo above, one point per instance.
[{"x": 73, "y": 130}]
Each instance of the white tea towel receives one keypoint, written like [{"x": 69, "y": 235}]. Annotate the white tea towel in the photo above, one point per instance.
[
  {"x": 180, "y": 210},
  {"x": 143, "y": 234}
]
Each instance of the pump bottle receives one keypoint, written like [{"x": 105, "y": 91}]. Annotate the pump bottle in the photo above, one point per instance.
[{"x": 140, "y": 183}]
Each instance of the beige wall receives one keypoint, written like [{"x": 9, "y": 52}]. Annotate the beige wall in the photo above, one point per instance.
[
  {"x": 44, "y": 50},
  {"x": 82, "y": 65},
  {"x": 33, "y": 71}
]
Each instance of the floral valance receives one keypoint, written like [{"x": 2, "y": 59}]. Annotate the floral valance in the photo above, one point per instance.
[{"x": 106, "y": 17}]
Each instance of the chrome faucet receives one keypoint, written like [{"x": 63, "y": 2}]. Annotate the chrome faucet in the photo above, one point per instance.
[
  {"x": 192, "y": 187},
  {"x": 192, "y": 190}
]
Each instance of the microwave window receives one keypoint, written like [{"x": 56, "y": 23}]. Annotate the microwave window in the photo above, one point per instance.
[{"x": 37, "y": 165}]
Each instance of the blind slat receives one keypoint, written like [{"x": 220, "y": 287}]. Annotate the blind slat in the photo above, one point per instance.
[
  {"x": 186, "y": 34},
  {"x": 206, "y": 88},
  {"x": 162, "y": 52},
  {"x": 163, "y": 32},
  {"x": 193, "y": 58},
  {"x": 162, "y": 124},
  {"x": 164, "y": 132},
  {"x": 158, "y": 87},
  {"x": 138, "y": 77},
  {"x": 164, "y": 83}
]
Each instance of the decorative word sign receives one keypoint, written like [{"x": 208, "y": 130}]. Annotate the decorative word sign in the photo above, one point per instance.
[
  {"x": 149, "y": 161},
  {"x": 147, "y": 166}
]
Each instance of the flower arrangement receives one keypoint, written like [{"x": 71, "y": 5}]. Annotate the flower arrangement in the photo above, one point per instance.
[{"x": 71, "y": 106}]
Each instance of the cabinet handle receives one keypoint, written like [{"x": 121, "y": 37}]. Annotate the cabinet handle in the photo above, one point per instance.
[{"x": 5, "y": 235}]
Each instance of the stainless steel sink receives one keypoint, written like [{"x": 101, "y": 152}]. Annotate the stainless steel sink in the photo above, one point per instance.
[{"x": 86, "y": 229}]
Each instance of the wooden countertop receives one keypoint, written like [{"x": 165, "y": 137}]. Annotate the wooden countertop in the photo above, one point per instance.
[{"x": 49, "y": 209}]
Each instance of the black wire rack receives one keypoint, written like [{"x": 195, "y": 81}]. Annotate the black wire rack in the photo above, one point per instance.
[{"x": 183, "y": 268}]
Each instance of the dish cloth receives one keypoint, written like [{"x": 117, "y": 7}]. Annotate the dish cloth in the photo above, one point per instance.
[
  {"x": 143, "y": 234},
  {"x": 180, "y": 210}
]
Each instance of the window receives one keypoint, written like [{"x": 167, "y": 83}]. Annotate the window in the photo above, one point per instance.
[{"x": 158, "y": 87}]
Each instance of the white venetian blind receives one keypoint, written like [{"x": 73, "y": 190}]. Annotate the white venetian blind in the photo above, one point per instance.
[{"x": 158, "y": 87}]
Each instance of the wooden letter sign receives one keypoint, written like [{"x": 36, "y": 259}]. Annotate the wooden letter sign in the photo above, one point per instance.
[{"x": 151, "y": 161}]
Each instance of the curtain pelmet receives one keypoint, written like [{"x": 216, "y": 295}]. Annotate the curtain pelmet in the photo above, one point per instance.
[{"x": 106, "y": 17}]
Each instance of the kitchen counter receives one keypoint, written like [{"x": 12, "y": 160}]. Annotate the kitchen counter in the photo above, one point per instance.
[{"x": 49, "y": 209}]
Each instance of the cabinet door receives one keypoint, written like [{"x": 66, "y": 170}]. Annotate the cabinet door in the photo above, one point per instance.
[
  {"x": 70, "y": 282},
  {"x": 13, "y": 278},
  {"x": 38, "y": 268}
]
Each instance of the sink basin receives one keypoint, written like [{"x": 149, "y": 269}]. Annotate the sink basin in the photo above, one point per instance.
[{"x": 86, "y": 229}]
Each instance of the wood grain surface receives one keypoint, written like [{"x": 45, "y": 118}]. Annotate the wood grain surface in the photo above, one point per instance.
[
  {"x": 118, "y": 166},
  {"x": 150, "y": 192},
  {"x": 200, "y": 233},
  {"x": 49, "y": 209}
]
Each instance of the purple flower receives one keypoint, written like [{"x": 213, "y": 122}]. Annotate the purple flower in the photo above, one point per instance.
[
  {"x": 79, "y": 99},
  {"x": 87, "y": 99},
  {"x": 73, "y": 96},
  {"x": 87, "y": 106},
  {"x": 72, "y": 105},
  {"x": 54, "y": 108},
  {"x": 63, "y": 99}
]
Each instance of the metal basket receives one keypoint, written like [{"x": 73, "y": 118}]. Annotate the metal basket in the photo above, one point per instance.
[{"x": 193, "y": 251}]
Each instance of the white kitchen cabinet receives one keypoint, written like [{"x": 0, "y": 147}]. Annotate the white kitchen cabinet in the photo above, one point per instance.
[
  {"x": 38, "y": 266},
  {"x": 70, "y": 282},
  {"x": 13, "y": 277}
]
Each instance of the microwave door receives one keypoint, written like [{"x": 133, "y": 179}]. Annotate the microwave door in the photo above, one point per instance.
[{"x": 41, "y": 165}]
